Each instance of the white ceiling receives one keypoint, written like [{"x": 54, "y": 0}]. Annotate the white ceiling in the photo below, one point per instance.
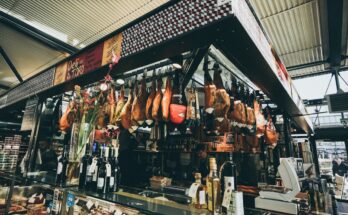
[
  {"x": 297, "y": 30},
  {"x": 77, "y": 23}
]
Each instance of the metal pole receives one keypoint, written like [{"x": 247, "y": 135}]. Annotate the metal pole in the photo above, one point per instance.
[
  {"x": 338, "y": 88},
  {"x": 346, "y": 144},
  {"x": 313, "y": 147},
  {"x": 287, "y": 137}
]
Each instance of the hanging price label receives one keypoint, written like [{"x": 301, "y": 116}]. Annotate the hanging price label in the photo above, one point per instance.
[
  {"x": 193, "y": 190},
  {"x": 108, "y": 170},
  {"x": 93, "y": 165},
  {"x": 227, "y": 198},
  {"x": 89, "y": 204}
]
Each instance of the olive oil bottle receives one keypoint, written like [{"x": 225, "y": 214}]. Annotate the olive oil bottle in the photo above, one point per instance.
[{"x": 214, "y": 188}]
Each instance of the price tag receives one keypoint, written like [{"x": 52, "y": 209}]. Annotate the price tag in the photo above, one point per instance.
[
  {"x": 193, "y": 190},
  {"x": 70, "y": 200},
  {"x": 202, "y": 196},
  {"x": 112, "y": 181},
  {"x": 227, "y": 198},
  {"x": 108, "y": 170},
  {"x": 112, "y": 209},
  {"x": 118, "y": 212},
  {"x": 31, "y": 200},
  {"x": 89, "y": 204},
  {"x": 93, "y": 165},
  {"x": 100, "y": 183}
]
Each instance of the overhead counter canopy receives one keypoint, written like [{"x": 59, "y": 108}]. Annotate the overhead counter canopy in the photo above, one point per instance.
[{"x": 175, "y": 28}]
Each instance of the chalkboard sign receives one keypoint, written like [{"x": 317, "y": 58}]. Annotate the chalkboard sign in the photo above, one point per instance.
[{"x": 29, "y": 113}]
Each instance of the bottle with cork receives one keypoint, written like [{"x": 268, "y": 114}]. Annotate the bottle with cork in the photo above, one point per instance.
[{"x": 214, "y": 188}]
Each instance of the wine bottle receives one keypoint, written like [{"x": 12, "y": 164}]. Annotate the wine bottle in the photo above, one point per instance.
[
  {"x": 94, "y": 167},
  {"x": 91, "y": 164},
  {"x": 101, "y": 171},
  {"x": 83, "y": 168},
  {"x": 106, "y": 186},
  {"x": 62, "y": 167},
  {"x": 115, "y": 172},
  {"x": 228, "y": 175},
  {"x": 214, "y": 188}
]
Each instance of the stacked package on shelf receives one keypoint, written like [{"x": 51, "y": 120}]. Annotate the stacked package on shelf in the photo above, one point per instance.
[
  {"x": 9, "y": 152},
  {"x": 305, "y": 152}
]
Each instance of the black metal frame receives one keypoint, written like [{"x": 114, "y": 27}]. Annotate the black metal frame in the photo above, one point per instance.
[
  {"x": 306, "y": 65},
  {"x": 10, "y": 64},
  {"x": 192, "y": 64}
]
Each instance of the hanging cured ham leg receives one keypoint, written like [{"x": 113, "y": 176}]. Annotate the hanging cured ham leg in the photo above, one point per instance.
[
  {"x": 127, "y": 110},
  {"x": 271, "y": 135},
  {"x": 120, "y": 103},
  {"x": 67, "y": 118},
  {"x": 209, "y": 99},
  {"x": 167, "y": 96},
  {"x": 111, "y": 105},
  {"x": 139, "y": 104},
  {"x": 222, "y": 101},
  {"x": 156, "y": 108},
  {"x": 149, "y": 103},
  {"x": 259, "y": 119}
]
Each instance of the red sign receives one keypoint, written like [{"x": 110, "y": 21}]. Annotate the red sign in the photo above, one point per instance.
[{"x": 85, "y": 62}]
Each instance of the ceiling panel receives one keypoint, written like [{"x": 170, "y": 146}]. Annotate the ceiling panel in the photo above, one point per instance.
[
  {"x": 293, "y": 26},
  {"x": 79, "y": 23},
  {"x": 307, "y": 71},
  {"x": 27, "y": 55}
]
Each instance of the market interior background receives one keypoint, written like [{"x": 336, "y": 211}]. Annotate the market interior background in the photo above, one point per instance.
[{"x": 310, "y": 37}]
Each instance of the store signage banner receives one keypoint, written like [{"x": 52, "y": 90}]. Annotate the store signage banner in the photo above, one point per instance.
[
  {"x": 85, "y": 62},
  {"x": 114, "y": 44},
  {"x": 89, "y": 60},
  {"x": 60, "y": 73}
]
